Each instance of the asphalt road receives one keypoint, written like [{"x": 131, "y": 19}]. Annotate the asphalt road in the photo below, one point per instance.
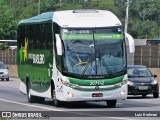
[{"x": 135, "y": 107}]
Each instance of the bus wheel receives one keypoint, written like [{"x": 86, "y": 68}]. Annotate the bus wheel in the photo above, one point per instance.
[
  {"x": 111, "y": 103},
  {"x": 31, "y": 99},
  {"x": 57, "y": 103},
  {"x": 40, "y": 99}
]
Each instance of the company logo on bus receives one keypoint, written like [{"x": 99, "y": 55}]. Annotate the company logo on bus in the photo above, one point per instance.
[
  {"x": 24, "y": 55},
  {"x": 23, "y": 52},
  {"x": 97, "y": 88}
]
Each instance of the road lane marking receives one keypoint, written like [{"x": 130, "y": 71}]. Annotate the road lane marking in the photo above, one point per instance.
[
  {"x": 52, "y": 109},
  {"x": 29, "y": 105},
  {"x": 121, "y": 118}
]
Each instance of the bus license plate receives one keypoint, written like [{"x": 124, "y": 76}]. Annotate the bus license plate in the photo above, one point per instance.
[
  {"x": 143, "y": 87},
  {"x": 97, "y": 95}
]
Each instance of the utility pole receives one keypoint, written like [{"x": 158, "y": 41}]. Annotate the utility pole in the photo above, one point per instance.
[
  {"x": 39, "y": 3},
  {"x": 126, "y": 19}
]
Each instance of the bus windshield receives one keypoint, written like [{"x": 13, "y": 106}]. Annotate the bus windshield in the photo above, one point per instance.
[{"x": 93, "y": 52}]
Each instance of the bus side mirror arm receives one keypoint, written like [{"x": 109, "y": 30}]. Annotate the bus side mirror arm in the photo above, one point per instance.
[
  {"x": 58, "y": 44},
  {"x": 131, "y": 42}
]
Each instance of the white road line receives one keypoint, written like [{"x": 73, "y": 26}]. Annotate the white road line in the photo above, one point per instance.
[
  {"x": 121, "y": 118},
  {"x": 29, "y": 105},
  {"x": 52, "y": 109}
]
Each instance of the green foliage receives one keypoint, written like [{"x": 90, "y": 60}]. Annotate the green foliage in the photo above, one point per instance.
[
  {"x": 4, "y": 46},
  {"x": 3, "y": 118},
  {"x": 143, "y": 29},
  {"x": 7, "y": 23},
  {"x": 144, "y": 15}
]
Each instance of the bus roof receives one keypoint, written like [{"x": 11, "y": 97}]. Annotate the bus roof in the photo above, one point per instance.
[
  {"x": 42, "y": 18},
  {"x": 76, "y": 18}
]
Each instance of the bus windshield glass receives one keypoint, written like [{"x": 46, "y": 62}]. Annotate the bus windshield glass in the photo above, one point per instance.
[{"x": 93, "y": 52}]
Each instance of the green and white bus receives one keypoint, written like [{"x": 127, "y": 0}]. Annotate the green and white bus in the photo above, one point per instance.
[{"x": 73, "y": 55}]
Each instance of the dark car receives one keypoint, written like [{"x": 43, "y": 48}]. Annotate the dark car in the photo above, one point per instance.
[{"x": 141, "y": 81}]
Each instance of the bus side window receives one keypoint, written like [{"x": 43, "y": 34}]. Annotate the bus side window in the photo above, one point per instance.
[
  {"x": 23, "y": 36},
  {"x": 46, "y": 36},
  {"x": 19, "y": 36},
  {"x": 30, "y": 37},
  {"x": 36, "y": 32},
  {"x": 49, "y": 40},
  {"x": 42, "y": 37}
]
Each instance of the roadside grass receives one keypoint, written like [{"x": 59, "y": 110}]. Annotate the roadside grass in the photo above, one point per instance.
[{"x": 3, "y": 118}]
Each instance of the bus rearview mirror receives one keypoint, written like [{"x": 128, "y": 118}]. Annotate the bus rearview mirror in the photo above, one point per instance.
[
  {"x": 131, "y": 42},
  {"x": 58, "y": 44}
]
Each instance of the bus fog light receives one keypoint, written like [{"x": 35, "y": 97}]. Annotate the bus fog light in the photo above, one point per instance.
[
  {"x": 122, "y": 92},
  {"x": 70, "y": 94}
]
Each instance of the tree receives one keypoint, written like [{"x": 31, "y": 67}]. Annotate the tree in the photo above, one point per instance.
[
  {"x": 144, "y": 15},
  {"x": 7, "y": 24},
  {"x": 143, "y": 8}
]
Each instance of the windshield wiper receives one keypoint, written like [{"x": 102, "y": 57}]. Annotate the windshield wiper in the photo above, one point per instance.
[
  {"x": 101, "y": 59},
  {"x": 106, "y": 65},
  {"x": 86, "y": 66}
]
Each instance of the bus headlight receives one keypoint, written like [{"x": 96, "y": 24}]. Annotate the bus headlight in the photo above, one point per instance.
[
  {"x": 121, "y": 83},
  {"x": 154, "y": 82},
  {"x": 68, "y": 84},
  {"x": 122, "y": 92},
  {"x": 70, "y": 94}
]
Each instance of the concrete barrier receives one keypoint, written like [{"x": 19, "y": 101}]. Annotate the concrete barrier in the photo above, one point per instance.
[
  {"x": 12, "y": 70},
  {"x": 156, "y": 71}
]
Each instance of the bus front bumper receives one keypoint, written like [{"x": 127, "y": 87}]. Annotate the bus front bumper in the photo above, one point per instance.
[{"x": 70, "y": 94}]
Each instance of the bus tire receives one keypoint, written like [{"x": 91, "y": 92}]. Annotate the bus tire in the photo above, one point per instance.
[
  {"x": 57, "y": 103},
  {"x": 40, "y": 99},
  {"x": 31, "y": 99},
  {"x": 111, "y": 103}
]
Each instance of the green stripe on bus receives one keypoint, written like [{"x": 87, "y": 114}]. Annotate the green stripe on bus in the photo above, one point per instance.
[
  {"x": 108, "y": 36},
  {"x": 86, "y": 82},
  {"x": 77, "y": 37},
  {"x": 90, "y": 36}
]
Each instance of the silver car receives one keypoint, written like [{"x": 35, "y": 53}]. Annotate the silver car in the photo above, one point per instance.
[{"x": 4, "y": 72}]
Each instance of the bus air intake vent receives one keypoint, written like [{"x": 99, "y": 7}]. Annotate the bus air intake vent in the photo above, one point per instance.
[{"x": 85, "y": 11}]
